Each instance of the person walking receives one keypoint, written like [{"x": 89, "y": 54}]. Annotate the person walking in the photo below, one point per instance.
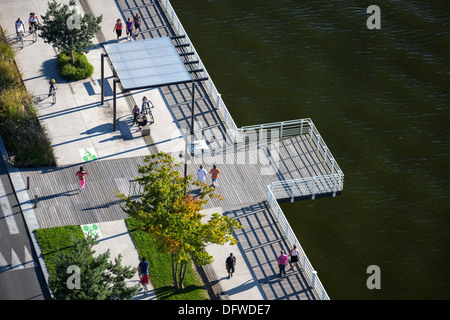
[
  {"x": 214, "y": 175},
  {"x": 81, "y": 176},
  {"x": 118, "y": 29},
  {"x": 230, "y": 263},
  {"x": 136, "y": 113},
  {"x": 129, "y": 24},
  {"x": 294, "y": 256},
  {"x": 143, "y": 274},
  {"x": 137, "y": 24},
  {"x": 201, "y": 173},
  {"x": 282, "y": 262}
]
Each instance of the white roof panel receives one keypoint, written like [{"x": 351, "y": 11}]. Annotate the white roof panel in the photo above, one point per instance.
[{"x": 147, "y": 63}]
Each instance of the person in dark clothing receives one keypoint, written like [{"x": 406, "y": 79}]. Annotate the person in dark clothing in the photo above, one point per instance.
[{"x": 230, "y": 263}]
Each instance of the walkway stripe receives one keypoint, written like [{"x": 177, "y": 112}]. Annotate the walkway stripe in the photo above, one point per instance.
[
  {"x": 15, "y": 261},
  {"x": 6, "y": 209}
]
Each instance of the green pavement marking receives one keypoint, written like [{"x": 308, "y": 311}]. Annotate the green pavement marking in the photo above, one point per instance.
[
  {"x": 91, "y": 229},
  {"x": 88, "y": 154}
]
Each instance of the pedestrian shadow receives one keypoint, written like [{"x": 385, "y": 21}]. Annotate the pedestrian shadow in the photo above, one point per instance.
[{"x": 69, "y": 193}]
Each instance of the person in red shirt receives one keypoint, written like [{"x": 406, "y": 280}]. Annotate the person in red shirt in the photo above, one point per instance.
[
  {"x": 118, "y": 29},
  {"x": 80, "y": 174}
]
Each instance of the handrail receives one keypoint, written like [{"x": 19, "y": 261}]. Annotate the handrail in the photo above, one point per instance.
[
  {"x": 285, "y": 129},
  {"x": 213, "y": 92},
  {"x": 308, "y": 269}
]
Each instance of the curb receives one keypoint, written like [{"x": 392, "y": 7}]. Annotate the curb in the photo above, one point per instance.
[{"x": 26, "y": 208}]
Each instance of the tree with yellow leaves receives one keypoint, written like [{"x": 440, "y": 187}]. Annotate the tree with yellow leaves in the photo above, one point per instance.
[{"x": 173, "y": 217}]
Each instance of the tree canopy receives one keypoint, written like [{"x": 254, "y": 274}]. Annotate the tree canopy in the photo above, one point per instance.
[
  {"x": 173, "y": 217},
  {"x": 79, "y": 275},
  {"x": 66, "y": 29}
]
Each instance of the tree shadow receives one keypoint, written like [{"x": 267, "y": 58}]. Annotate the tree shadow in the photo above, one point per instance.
[{"x": 171, "y": 293}]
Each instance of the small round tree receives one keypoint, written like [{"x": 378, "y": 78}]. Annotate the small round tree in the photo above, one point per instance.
[{"x": 66, "y": 29}]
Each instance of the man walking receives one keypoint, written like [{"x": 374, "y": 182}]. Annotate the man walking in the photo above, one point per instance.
[
  {"x": 214, "y": 175},
  {"x": 143, "y": 274},
  {"x": 230, "y": 263},
  {"x": 282, "y": 262},
  {"x": 201, "y": 173}
]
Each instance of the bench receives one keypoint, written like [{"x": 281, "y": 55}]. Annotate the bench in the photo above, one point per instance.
[{"x": 145, "y": 130}]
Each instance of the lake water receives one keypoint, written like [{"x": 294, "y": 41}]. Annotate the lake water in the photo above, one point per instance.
[{"x": 379, "y": 98}]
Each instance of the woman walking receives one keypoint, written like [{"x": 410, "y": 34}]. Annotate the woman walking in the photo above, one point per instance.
[
  {"x": 137, "y": 24},
  {"x": 129, "y": 24},
  {"x": 118, "y": 29},
  {"x": 294, "y": 256},
  {"x": 81, "y": 176}
]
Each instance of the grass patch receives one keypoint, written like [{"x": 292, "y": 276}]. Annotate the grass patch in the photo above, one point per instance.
[
  {"x": 160, "y": 264},
  {"x": 160, "y": 268},
  {"x": 52, "y": 240},
  {"x": 24, "y": 137}
]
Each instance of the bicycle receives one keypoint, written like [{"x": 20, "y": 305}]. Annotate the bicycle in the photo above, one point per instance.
[
  {"x": 148, "y": 111},
  {"x": 34, "y": 32},
  {"x": 21, "y": 35},
  {"x": 53, "y": 93}
]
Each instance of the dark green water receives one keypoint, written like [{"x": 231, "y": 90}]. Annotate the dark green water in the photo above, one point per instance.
[{"x": 379, "y": 98}]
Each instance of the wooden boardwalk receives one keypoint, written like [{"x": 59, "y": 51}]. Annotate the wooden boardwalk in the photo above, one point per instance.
[
  {"x": 242, "y": 186},
  {"x": 242, "y": 183}
]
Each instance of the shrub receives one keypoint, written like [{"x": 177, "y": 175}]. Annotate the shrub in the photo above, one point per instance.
[
  {"x": 25, "y": 139},
  {"x": 81, "y": 70}
]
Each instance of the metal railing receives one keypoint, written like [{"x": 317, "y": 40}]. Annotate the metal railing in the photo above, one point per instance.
[
  {"x": 291, "y": 128},
  {"x": 310, "y": 186},
  {"x": 277, "y": 190},
  {"x": 303, "y": 260},
  {"x": 211, "y": 88}
]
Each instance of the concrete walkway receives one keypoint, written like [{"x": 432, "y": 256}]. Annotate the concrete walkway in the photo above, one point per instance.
[{"x": 78, "y": 124}]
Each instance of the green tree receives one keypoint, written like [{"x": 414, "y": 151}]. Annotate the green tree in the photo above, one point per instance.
[
  {"x": 173, "y": 217},
  {"x": 64, "y": 28},
  {"x": 81, "y": 276}
]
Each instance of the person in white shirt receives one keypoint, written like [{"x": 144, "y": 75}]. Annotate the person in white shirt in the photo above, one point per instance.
[
  {"x": 294, "y": 256},
  {"x": 33, "y": 20},
  {"x": 20, "y": 27},
  {"x": 201, "y": 174}
]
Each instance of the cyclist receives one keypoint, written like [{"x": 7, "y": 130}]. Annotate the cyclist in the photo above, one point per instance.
[
  {"x": 52, "y": 87},
  {"x": 20, "y": 27},
  {"x": 33, "y": 20}
]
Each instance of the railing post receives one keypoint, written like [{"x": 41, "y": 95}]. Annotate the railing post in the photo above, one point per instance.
[
  {"x": 314, "y": 188},
  {"x": 218, "y": 97},
  {"x": 261, "y": 133},
  {"x": 314, "y": 277}
]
